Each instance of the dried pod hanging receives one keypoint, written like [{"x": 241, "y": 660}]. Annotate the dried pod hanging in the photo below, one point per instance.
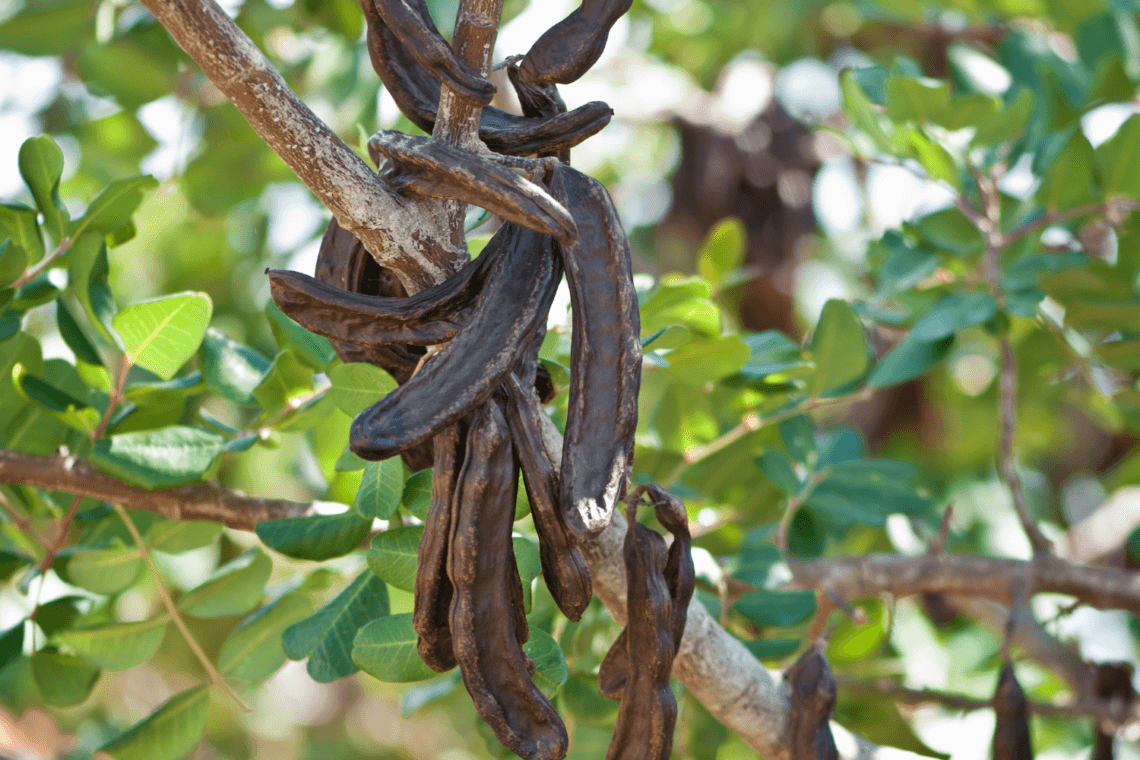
[
  {"x": 1011, "y": 733},
  {"x": 568, "y": 49}
]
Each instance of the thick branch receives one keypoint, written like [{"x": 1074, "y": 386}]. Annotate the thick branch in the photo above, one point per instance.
[
  {"x": 405, "y": 235},
  {"x": 967, "y": 575},
  {"x": 195, "y": 502}
]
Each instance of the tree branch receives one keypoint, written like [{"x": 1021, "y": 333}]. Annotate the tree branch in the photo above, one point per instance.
[
  {"x": 409, "y": 236},
  {"x": 966, "y": 575},
  {"x": 194, "y": 502}
]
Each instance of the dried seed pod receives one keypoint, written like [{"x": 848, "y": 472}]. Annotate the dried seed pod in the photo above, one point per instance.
[
  {"x": 605, "y": 364},
  {"x": 648, "y": 711},
  {"x": 515, "y": 299},
  {"x": 680, "y": 578},
  {"x": 411, "y": 23},
  {"x": 568, "y": 49},
  {"x": 563, "y": 567},
  {"x": 428, "y": 168},
  {"x": 1011, "y": 734},
  {"x": 539, "y": 101},
  {"x": 814, "y": 695},
  {"x": 1111, "y": 681},
  {"x": 509, "y": 134},
  {"x": 483, "y": 626},
  {"x": 429, "y": 317},
  {"x": 431, "y": 615}
]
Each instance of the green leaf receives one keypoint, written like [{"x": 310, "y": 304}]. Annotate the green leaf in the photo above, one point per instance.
[
  {"x": 88, "y": 275},
  {"x": 1007, "y": 124},
  {"x": 954, "y": 312},
  {"x": 313, "y": 350},
  {"x": 723, "y": 250},
  {"x": 46, "y": 27},
  {"x": 950, "y": 231},
  {"x": 386, "y": 649},
  {"x": 169, "y": 733},
  {"x": 549, "y": 663},
  {"x": 21, "y": 225},
  {"x": 667, "y": 338},
  {"x": 41, "y": 166},
  {"x": 936, "y": 160},
  {"x": 118, "y": 646},
  {"x": 777, "y": 609},
  {"x": 1069, "y": 181},
  {"x": 907, "y": 360},
  {"x": 324, "y": 637},
  {"x": 417, "y": 494},
  {"x": 862, "y": 113},
  {"x": 232, "y": 370},
  {"x": 34, "y": 293},
  {"x": 771, "y": 351},
  {"x": 56, "y": 402},
  {"x": 308, "y": 415},
  {"x": 975, "y": 111},
  {"x": 684, "y": 301},
  {"x": 113, "y": 207},
  {"x": 778, "y": 469},
  {"x": 179, "y": 536},
  {"x": 1124, "y": 354},
  {"x": 285, "y": 381},
  {"x": 838, "y": 347},
  {"x": 349, "y": 462},
  {"x": 358, "y": 385},
  {"x": 158, "y": 458},
  {"x": 11, "y": 644},
  {"x": 380, "y": 489},
  {"x": 163, "y": 333},
  {"x": 64, "y": 680},
  {"x": 417, "y": 697},
  {"x": 234, "y": 589},
  {"x": 253, "y": 651},
  {"x": 105, "y": 571},
  {"x": 700, "y": 362},
  {"x": 318, "y": 537},
  {"x": 1118, "y": 159},
  {"x": 920, "y": 100},
  {"x": 74, "y": 336},
  {"x": 1090, "y": 315},
  {"x": 392, "y": 556}
]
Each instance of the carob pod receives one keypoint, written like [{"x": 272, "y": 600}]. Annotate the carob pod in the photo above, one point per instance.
[
  {"x": 1011, "y": 733},
  {"x": 483, "y": 628},
  {"x": 648, "y": 711},
  {"x": 429, "y": 168},
  {"x": 814, "y": 695},
  {"x": 509, "y": 134},
  {"x": 431, "y": 615},
  {"x": 605, "y": 363},
  {"x": 680, "y": 578},
  {"x": 516, "y": 297},
  {"x": 568, "y": 49},
  {"x": 431, "y": 316},
  {"x": 411, "y": 22},
  {"x": 564, "y": 568},
  {"x": 1111, "y": 681},
  {"x": 538, "y": 101}
]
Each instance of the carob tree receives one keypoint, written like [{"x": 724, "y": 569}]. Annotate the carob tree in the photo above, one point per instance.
[{"x": 472, "y": 405}]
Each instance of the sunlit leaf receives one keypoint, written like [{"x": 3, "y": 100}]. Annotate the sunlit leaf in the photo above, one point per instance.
[
  {"x": 163, "y": 333},
  {"x": 326, "y": 636}
]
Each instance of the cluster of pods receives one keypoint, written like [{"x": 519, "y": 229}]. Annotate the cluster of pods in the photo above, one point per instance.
[{"x": 471, "y": 391}]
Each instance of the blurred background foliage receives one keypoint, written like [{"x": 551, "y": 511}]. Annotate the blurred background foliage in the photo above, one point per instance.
[{"x": 790, "y": 227}]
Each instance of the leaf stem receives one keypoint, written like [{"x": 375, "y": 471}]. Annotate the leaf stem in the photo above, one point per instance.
[
  {"x": 34, "y": 272},
  {"x": 215, "y": 677}
]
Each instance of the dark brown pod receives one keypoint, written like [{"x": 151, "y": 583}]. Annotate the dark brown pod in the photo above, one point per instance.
[
  {"x": 680, "y": 578},
  {"x": 564, "y": 568},
  {"x": 483, "y": 626},
  {"x": 814, "y": 695},
  {"x": 538, "y": 100},
  {"x": 1011, "y": 734},
  {"x": 509, "y": 134},
  {"x": 429, "y": 168},
  {"x": 568, "y": 49},
  {"x": 411, "y": 22},
  {"x": 429, "y": 317},
  {"x": 605, "y": 364},
  {"x": 453, "y": 382},
  {"x": 648, "y": 712},
  {"x": 431, "y": 614}
]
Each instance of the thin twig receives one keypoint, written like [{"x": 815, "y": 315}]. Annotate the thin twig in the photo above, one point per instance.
[
  {"x": 1057, "y": 217},
  {"x": 1007, "y": 395},
  {"x": 23, "y": 523},
  {"x": 215, "y": 677},
  {"x": 794, "y": 504}
]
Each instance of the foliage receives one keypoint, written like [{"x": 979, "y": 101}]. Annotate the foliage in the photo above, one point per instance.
[{"x": 133, "y": 336}]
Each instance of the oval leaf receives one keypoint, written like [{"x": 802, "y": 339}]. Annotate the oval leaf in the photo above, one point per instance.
[
  {"x": 549, "y": 662},
  {"x": 838, "y": 347},
  {"x": 318, "y": 537},
  {"x": 235, "y": 588},
  {"x": 119, "y": 646},
  {"x": 253, "y": 651},
  {"x": 167, "y": 734},
  {"x": 105, "y": 571},
  {"x": 162, "y": 333},
  {"x": 392, "y": 556},
  {"x": 417, "y": 494},
  {"x": 386, "y": 649},
  {"x": 41, "y": 166},
  {"x": 380, "y": 489},
  {"x": 231, "y": 369},
  {"x": 178, "y": 536},
  {"x": 158, "y": 458},
  {"x": 64, "y": 680},
  {"x": 359, "y": 385},
  {"x": 324, "y": 637}
]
